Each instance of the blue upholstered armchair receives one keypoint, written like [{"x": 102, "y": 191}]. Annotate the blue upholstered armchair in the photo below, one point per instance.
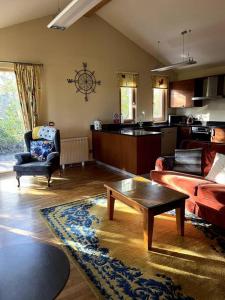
[{"x": 29, "y": 165}]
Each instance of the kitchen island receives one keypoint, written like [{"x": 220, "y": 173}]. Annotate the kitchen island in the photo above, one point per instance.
[{"x": 134, "y": 151}]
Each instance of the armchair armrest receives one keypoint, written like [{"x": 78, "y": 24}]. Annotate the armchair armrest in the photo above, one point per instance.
[
  {"x": 53, "y": 158},
  {"x": 23, "y": 158},
  {"x": 164, "y": 163}
]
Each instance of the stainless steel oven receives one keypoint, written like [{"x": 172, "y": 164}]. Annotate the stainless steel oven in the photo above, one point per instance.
[{"x": 201, "y": 133}]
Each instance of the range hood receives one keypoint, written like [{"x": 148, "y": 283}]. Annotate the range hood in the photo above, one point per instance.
[{"x": 213, "y": 87}]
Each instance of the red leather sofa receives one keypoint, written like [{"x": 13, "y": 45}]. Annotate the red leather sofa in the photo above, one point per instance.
[{"x": 206, "y": 198}]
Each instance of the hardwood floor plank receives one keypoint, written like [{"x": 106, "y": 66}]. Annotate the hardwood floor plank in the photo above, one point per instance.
[{"x": 20, "y": 218}]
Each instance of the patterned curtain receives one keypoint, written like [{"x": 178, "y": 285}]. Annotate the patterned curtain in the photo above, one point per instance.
[
  {"x": 28, "y": 79},
  {"x": 160, "y": 82},
  {"x": 128, "y": 79}
]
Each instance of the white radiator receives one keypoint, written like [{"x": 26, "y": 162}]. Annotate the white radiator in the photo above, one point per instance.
[{"x": 74, "y": 150}]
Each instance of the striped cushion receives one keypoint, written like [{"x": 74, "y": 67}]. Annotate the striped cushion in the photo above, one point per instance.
[{"x": 188, "y": 161}]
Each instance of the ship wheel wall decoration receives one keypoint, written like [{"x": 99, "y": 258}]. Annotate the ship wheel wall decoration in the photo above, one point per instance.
[{"x": 85, "y": 81}]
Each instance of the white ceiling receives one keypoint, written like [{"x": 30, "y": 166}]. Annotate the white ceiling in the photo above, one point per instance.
[
  {"x": 18, "y": 11},
  {"x": 145, "y": 22}
]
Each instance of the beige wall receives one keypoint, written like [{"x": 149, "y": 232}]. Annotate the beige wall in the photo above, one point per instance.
[
  {"x": 89, "y": 40},
  {"x": 212, "y": 110},
  {"x": 197, "y": 72}
]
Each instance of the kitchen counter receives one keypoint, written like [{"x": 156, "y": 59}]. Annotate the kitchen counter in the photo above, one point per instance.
[
  {"x": 210, "y": 124},
  {"x": 134, "y": 151},
  {"x": 149, "y": 126},
  {"x": 131, "y": 132}
]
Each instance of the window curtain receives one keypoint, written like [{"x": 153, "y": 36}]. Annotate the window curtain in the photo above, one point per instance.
[
  {"x": 128, "y": 79},
  {"x": 160, "y": 82},
  {"x": 28, "y": 79}
]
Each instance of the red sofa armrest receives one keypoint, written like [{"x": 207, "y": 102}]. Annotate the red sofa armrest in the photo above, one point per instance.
[{"x": 164, "y": 163}]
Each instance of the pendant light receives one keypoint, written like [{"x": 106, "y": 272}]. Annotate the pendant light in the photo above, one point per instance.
[{"x": 185, "y": 62}]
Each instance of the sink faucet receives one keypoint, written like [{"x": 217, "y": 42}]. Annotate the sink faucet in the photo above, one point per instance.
[
  {"x": 140, "y": 124},
  {"x": 142, "y": 118}
]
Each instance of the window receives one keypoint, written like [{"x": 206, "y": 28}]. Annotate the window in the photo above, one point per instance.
[
  {"x": 159, "y": 104},
  {"x": 128, "y": 104},
  {"x": 11, "y": 121}
]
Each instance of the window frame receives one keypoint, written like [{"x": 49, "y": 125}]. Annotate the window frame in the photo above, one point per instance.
[
  {"x": 163, "y": 118},
  {"x": 134, "y": 104}
]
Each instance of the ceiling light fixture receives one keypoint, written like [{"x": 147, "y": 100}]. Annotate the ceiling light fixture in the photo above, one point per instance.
[
  {"x": 187, "y": 62},
  {"x": 71, "y": 13}
]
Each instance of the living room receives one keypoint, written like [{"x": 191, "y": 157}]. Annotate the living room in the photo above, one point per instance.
[{"x": 112, "y": 149}]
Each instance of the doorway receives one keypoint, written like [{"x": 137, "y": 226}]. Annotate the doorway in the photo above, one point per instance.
[{"x": 11, "y": 121}]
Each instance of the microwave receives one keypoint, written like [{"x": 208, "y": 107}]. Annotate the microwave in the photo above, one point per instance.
[{"x": 177, "y": 119}]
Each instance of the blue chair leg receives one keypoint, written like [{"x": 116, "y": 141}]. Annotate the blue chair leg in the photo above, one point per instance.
[
  {"x": 49, "y": 179},
  {"x": 18, "y": 179}
]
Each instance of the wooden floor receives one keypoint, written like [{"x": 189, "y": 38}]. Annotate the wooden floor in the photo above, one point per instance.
[{"x": 20, "y": 220}]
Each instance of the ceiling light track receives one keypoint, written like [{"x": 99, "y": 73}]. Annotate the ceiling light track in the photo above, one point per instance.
[
  {"x": 71, "y": 13},
  {"x": 186, "y": 62}
]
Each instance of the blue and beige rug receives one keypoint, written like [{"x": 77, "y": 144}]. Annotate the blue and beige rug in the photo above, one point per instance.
[{"x": 112, "y": 255}]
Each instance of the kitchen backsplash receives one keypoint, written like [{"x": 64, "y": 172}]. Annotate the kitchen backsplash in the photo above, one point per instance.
[{"x": 212, "y": 110}]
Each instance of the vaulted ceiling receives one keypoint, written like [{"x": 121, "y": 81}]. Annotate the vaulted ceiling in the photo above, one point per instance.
[
  {"x": 145, "y": 22},
  {"x": 18, "y": 11}
]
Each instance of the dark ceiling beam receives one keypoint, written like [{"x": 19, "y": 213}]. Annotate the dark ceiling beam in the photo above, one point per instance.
[{"x": 97, "y": 7}]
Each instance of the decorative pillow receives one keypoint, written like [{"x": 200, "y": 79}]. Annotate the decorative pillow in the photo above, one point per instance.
[
  {"x": 44, "y": 132},
  {"x": 188, "y": 161},
  {"x": 40, "y": 149},
  {"x": 217, "y": 171}
]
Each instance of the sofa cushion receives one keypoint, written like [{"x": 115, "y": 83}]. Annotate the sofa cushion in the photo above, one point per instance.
[
  {"x": 212, "y": 195},
  {"x": 210, "y": 203},
  {"x": 164, "y": 163},
  {"x": 209, "y": 151},
  {"x": 181, "y": 182},
  {"x": 40, "y": 149},
  {"x": 217, "y": 172},
  {"x": 37, "y": 166},
  {"x": 188, "y": 161}
]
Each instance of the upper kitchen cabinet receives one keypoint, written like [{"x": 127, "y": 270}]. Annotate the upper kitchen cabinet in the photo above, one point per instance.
[{"x": 182, "y": 92}]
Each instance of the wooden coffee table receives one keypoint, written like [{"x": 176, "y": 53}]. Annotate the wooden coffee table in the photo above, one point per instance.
[{"x": 148, "y": 198}]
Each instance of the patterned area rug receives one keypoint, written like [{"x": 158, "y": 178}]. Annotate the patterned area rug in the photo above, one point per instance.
[{"x": 112, "y": 255}]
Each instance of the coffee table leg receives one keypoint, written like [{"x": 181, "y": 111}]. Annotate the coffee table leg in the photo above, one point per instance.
[
  {"x": 148, "y": 219},
  {"x": 180, "y": 211},
  {"x": 110, "y": 204}
]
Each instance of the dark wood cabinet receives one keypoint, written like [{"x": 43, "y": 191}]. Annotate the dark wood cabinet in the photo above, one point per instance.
[
  {"x": 182, "y": 92},
  {"x": 133, "y": 154},
  {"x": 183, "y": 133}
]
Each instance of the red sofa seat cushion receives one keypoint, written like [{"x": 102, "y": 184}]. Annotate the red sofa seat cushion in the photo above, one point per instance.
[
  {"x": 212, "y": 195},
  {"x": 210, "y": 203},
  {"x": 181, "y": 182}
]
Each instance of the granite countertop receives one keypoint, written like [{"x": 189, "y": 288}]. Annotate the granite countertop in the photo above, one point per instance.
[
  {"x": 203, "y": 124},
  {"x": 148, "y": 128},
  {"x": 131, "y": 132}
]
